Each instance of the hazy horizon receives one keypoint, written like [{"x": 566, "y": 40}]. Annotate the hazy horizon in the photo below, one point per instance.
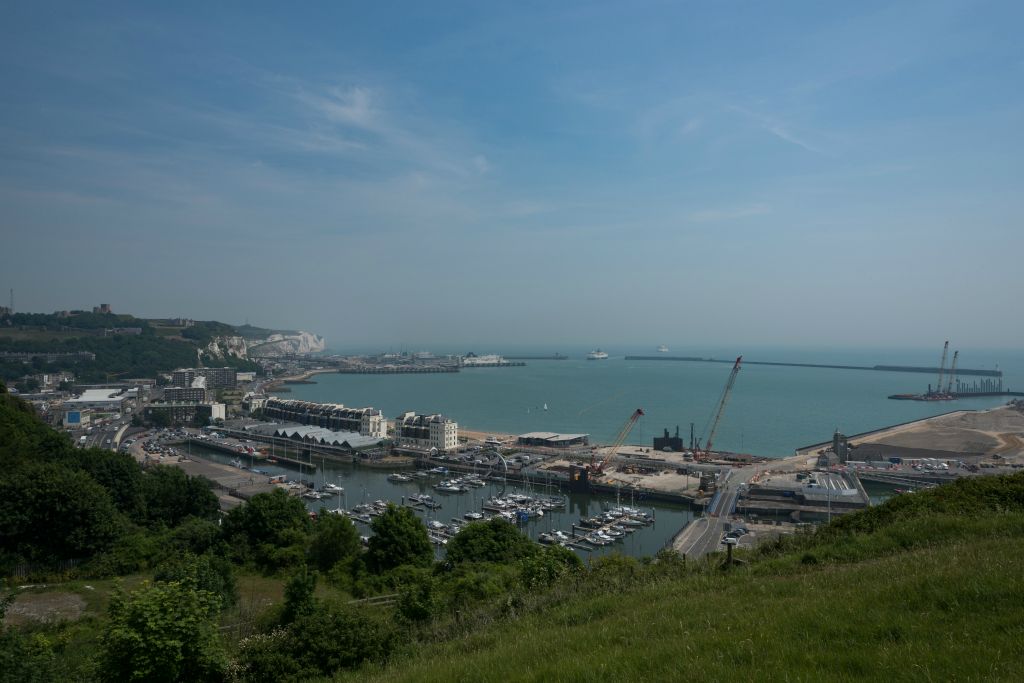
[{"x": 709, "y": 175}]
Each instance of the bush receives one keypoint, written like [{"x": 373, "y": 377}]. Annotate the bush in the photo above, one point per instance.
[
  {"x": 495, "y": 540},
  {"x": 205, "y": 572},
  {"x": 399, "y": 538},
  {"x": 162, "y": 632},
  {"x": 335, "y": 538}
]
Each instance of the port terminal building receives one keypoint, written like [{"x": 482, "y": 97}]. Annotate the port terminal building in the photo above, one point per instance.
[
  {"x": 325, "y": 437},
  {"x": 552, "y": 440}
]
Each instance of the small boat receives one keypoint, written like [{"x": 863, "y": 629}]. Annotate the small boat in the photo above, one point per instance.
[
  {"x": 399, "y": 478},
  {"x": 545, "y": 406},
  {"x": 333, "y": 487},
  {"x": 473, "y": 516}
]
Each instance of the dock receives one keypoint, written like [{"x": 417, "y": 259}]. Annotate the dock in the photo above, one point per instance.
[{"x": 873, "y": 368}]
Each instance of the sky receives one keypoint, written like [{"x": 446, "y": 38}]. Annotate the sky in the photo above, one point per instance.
[{"x": 483, "y": 175}]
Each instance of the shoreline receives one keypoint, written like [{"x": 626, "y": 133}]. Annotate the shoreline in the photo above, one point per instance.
[{"x": 278, "y": 382}]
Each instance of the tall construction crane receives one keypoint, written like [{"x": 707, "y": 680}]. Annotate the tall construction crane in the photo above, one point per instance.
[
  {"x": 952, "y": 373},
  {"x": 942, "y": 367},
  {"x": 721, "y": 407},
  {"x": 617, "y": 444}
]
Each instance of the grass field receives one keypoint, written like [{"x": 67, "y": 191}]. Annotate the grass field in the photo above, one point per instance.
[{"x": 947, "y": 608}]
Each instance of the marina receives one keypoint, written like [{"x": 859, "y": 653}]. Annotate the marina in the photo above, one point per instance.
[{"x": 441, "y": 497}]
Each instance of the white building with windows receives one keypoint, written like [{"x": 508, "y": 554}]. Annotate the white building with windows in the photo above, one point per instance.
[{"x": 427, "y": 431}]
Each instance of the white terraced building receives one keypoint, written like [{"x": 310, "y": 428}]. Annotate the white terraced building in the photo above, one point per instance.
[
  {"x": 427, "y": 431},
  {"x": 366, "y": 421}
]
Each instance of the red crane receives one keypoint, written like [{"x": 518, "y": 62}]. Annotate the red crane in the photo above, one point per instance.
[
  {"x": 617, "y": 444},
  {"x": 721, "y": 407}
]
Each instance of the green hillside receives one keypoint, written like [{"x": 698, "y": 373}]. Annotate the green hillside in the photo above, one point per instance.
[
  {"x": 927, "y": 587},
  {"x": 156, "y": 349}
]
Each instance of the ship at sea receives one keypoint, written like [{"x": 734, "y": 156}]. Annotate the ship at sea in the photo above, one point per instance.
[
  {"x": 662, "y": 349},
  {"x": 597, "y": 355}
]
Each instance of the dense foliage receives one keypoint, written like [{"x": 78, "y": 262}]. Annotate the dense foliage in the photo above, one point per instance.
[
  {"x": 60, "y": 503},
  {"x": 120, "y": 355},
  {"x": 163, "y": 632}
]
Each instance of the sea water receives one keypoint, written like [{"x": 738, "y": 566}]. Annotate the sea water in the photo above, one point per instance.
[{"x": 772, "y": 410}]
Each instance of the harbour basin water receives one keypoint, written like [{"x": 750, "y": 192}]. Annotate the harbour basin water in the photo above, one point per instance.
[{"x": 367, "y": 485}]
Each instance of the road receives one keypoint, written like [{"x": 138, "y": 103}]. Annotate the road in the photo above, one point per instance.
[{"x": 704, "y": 535}]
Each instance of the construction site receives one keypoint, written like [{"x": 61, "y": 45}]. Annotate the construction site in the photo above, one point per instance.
[{"x": 950, "y": 387}]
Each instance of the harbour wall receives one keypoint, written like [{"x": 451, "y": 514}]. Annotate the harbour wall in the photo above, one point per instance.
[{"x": 876, "y": 368}]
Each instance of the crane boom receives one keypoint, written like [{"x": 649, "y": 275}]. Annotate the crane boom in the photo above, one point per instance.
[
  {"x": 952, "y": 373},
  {"x": 942, "y": 367},
  {"x": 721, "y": 404},
  {"x": 619, "y": 440}
]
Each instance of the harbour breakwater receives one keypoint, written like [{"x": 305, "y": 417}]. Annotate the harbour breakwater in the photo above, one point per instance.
[{"x": 876, "y": 368}]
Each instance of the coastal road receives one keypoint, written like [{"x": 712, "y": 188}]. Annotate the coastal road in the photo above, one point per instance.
[{"x": 704, "y": 535}]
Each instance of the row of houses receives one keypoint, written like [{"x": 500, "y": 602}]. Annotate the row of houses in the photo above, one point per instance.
[
  {"x": 409, "y": 429},
  {"x": 333, "y": 416}
]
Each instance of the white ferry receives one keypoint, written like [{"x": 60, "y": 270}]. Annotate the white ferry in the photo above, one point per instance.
[
  {"x": 662, "y": 349},
  {"x": 597, "y": 355}
]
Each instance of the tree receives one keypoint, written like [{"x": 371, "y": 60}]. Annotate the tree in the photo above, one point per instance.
[
  {"x": 298, "y": 595},
  {"x": 399, "y": 538},
  {"x": 495, "y": 540},
  {"x": 162, "y": 632},
  {"x": 171, "y": 496},
  {"x": 205, "y": 572},
  {"x": 119, "y": 474},
  {"x": 50, "y": 513},
  {"x": 272, "y": 528},
  {"x": 335, "y": 538}
]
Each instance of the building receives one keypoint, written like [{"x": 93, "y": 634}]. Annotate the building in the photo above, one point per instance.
[
  {"x": 245, "y": 376},
  {"x": 76, "y": 419},
  {"x": 102, "y": 400},
  {"x": 427, "y": 431},
  {"x": 254, "y": 402},
  {"x": 325, "y": 437},
  {"x": 669, "y": 443},
  {"x": 365, "y": 421},
  {"x": 216, "y": 378},
  {"x": 552, "y": 439},
  {"x": 185, "y": 394},
  {"x": 186, "y": 412},
  {"x": 27, "y": 356},
  {"x": 102, "y": 308}
]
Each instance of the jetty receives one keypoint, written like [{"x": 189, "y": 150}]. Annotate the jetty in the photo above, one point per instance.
[{"x": 874, "y": 368}]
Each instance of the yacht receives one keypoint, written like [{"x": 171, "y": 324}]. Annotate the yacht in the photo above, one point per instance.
[{"x": 597, "y": 355}]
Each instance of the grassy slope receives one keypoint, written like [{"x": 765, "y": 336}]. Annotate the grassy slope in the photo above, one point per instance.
[{"x": 949, "y": 608}]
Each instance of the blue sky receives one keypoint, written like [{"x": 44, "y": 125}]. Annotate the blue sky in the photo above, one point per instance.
[{"x": 506, "y": 173}]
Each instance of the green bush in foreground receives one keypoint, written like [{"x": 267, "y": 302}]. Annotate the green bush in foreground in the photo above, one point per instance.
[{"x": 162, "y": 632}]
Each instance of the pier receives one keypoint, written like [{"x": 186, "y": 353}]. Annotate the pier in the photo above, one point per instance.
[{"x": 875, "y": 368}]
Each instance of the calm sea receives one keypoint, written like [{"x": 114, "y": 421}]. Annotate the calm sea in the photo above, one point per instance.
[{"x": 772, "y": 411}]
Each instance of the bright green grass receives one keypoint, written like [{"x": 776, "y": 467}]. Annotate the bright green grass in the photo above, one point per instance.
[{"x": 952, "y": 609}]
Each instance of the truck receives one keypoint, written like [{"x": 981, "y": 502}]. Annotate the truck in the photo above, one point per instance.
[{"x": 81, "y": 440}]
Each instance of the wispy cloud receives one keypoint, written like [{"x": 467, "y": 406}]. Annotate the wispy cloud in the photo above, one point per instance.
[
  {"x": 778, "y": 129},
  {"x": 729, "y": 213}
]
